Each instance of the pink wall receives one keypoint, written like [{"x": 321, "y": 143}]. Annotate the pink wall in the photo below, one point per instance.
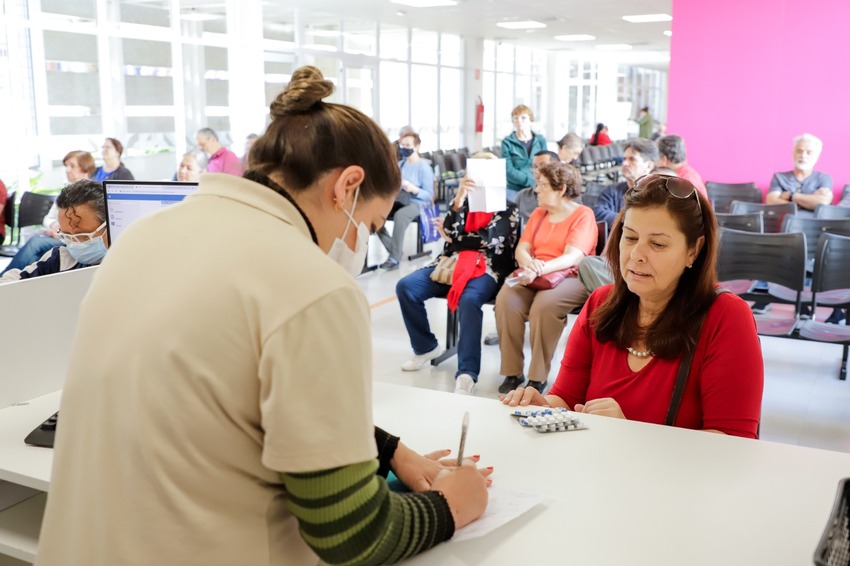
[{"x": 746, "y": 76}]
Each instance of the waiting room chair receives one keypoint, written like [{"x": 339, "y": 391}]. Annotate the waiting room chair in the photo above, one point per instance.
[
  {"x": 746, "y": 257},
  {"x": 10, "y": 220},
  {"x": 831, "y": 287},
  {"x": 750, "y": 222},
  {"x": 831, "y": 211},
  {"x": 602, "y": 236},
  {"x": 773, "y": 213},
  {"x": 721, "y": 195},
  {"x": 31, "y": 212}
]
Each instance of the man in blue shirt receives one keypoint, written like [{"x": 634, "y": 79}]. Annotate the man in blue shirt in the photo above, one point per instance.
[
  {"x": 802, "y": 185},
  {"x": 639, "y": 158}
]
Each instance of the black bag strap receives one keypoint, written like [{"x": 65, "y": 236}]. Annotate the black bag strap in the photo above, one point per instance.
[{"x": 682, "y": 378}]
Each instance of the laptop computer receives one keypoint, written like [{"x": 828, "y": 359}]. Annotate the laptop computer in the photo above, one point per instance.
[{"x": 127, "y": 201}]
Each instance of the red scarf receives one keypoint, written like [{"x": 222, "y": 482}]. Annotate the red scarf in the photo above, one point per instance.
[{"x": 470, "y": 264}]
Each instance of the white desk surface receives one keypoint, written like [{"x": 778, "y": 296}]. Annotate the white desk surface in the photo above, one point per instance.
[
  {"x": 627, "y": 493},
  {"x": 620, "y": 493}
]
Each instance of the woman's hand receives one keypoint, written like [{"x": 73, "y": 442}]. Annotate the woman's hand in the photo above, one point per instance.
[
  {"x": 465, "y": 492},
  {"x": 409, "y": 187},
  {"x": 536, "y": 266},
  {"x": 524, "y": 396},
  {"x": 418, "y": 472},
  {"x": 466, "y": 185},
  {"x": 605, "y": 406}
]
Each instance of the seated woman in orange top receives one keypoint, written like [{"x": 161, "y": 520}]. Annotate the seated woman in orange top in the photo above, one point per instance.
[{"x": 559, "y": 234}]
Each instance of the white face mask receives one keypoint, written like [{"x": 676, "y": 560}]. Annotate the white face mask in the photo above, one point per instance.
[{"x": 351, "y": 260}]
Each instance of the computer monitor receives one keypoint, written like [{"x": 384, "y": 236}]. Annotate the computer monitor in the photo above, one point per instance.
[{"x": 127, "y": 201}]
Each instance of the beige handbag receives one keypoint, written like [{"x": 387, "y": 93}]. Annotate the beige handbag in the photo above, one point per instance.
[{"x": 444, "y": 269}]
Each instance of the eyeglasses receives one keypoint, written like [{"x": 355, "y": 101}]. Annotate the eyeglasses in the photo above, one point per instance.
[
  {"x": 676, "y": 186},
  {"x": 80, "y": 238}
]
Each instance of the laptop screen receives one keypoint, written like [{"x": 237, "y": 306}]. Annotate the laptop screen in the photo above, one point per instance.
[{"x": 128, "y": 200}]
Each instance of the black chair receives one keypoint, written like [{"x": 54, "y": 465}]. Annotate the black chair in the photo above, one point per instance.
[
  {"x": 9, "y": 219},
  {"x": 585, "y": 160},
  {"x": 813, "y": 228},
  {"x": 752, "y": 222},
  {"x": 589, "y": 199},
  {"x": 595, "y": 156},
  {"x": 602, "y": 236},
  {"x": 31, "y": 212},
  {"x": 745, "y": 257},
  {"x": 832, "y": 212},
  {"x": 773, "y": 213},
  {"x": 722, "y": 194},
  {"x": 831, "y": 287}
]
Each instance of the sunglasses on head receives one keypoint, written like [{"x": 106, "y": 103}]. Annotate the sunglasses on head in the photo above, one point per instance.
[{"x": 676, "y": 186}]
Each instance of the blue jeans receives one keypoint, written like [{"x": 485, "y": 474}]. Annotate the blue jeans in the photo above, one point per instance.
[
  {"x": 414, "y": 289},
  {"x": 32, "y": 251}
]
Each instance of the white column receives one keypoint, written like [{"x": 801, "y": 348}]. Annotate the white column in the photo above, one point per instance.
[
  {"x": 246, "y": 69},
  {"x": 473, "y": 88},
  {"x": 110, "y": 62}
]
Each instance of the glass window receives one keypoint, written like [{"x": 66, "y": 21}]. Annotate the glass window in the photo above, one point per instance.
[
  {"x": 451, "y": 116},
  {"x": 489, "y": 55},
  {"x": 488, "y": 95},
  {"x": 573, "y": 105},
  {"x": 505, "y": 57},
  {"x": 451, "y": 50},
  {"x": 359, "y": 86},
  {"x": 393, "y": 93},
  {"x": 278, "y": 23},
  {"x": 393, "y": 42},
  {"x": 588, "y": 109},
  {"x": 210, "y": 16},
  {"x": 423, "y": 47},
  {"x": 85, "y": 9},
  {"x": 139, "y": 13},
  {"x": 423, "y": 101},
  {"x": 360, "y": 38},
  {"x": 321, "y": 33},
  {"x": 504, "y": 104},
  {"x": 278, "y": 72},
  {"x": 523, "y": 60}
]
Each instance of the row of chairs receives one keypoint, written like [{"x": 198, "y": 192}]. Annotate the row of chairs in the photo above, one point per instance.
[
  {"x": 600, "y": 157},
  {"x": 722, "y": 195},
  {"x": 783, "y": 260},
  {"x": 29, "y": 212}
]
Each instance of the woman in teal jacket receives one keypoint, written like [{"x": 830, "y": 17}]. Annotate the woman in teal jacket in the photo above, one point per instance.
[{"x": 519, "y": 149}]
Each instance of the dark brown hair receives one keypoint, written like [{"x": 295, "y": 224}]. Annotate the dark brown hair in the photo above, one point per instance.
[
  {"x": 308, "y": 137},
  {"x": 676, "y": 329},
  {"x": 84, "y": 160},
  {"x": 118, "y": 147},
  {"x": 562, "y": 175}
]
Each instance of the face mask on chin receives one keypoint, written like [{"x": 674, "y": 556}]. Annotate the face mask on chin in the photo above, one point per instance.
[{"x": 351, "y": 260}]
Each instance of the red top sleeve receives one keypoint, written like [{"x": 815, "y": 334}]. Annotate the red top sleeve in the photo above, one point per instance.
[{"x": 724, "y": 388}]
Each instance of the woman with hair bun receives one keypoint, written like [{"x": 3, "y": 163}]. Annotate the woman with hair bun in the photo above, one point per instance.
[{"x": 226, "y": 418}]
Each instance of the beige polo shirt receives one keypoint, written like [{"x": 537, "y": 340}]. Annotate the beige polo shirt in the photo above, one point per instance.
[{"x": 217, "y": 346}]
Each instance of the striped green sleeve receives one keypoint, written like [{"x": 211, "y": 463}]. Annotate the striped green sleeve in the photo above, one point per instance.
[{"x": 348, "y": 515}]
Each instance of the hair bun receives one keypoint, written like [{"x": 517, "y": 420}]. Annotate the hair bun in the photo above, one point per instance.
[{"x": 306, "y": 88}]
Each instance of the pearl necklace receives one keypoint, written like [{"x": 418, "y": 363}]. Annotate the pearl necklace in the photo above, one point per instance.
[{"x": 638, "y": 353}]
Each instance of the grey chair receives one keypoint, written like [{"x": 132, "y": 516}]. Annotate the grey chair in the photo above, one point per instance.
[
  {"x": 832, "y": 212},
  {"x": 31, "y": 212},
  {"x": 747, "y": 257},
  {"x": 831, "y": 287},
  {"x": 773, "y": 213},
  {"x": 750, "y": 222},
  {"x": 721, "y": 195}
]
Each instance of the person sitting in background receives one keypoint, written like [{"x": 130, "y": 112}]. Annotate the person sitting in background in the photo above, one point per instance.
[
  {"x": 672, "y": 154},
  {"x": 82, "y": 230},
  {"x": 519, "y": 149},
  {"x": 600, "y": 136},
  {"x": 559, "y": 234},
  {"x": 78, "y": 165},
  {"x": 639, "y": 157},
  {"x": 249, "y": 141},
  {"x": 482, "y": 244},
  {"x": 404, "y": 131},
  {"x": 569, "y": 148},
  {"x": 624, "y": 352},
  {"x": 193, "y": 164},
  {"x": 526, "y": 199},
  {"x": 112, "y": 168},
  {"x": 417, "y": 188},
  {"x": 660, "y": 130},
  {"x": 222, "y": 160},
  {"x": 802, "y": 185}
]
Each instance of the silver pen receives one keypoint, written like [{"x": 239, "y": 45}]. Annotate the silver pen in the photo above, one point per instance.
[{"x": 463, "y": 430}]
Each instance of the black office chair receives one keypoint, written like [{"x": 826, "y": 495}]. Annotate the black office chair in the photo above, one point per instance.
[
  {"x": 831, "y": 287},
  {"x": 31, "y": 212},
  {"x": 601, "y": 236},
  {"x": 773, "y": 213},
  {"x": 832, "y": 212},
  {"x": 721, "y": 195},
  {"x": 752, "y": 222},
  {"x": 10, "y": 220},
  {"x": 745, "y": 257}
]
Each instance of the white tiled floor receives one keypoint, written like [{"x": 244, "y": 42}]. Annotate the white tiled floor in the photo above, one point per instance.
[{"x": 804, "y": 402}]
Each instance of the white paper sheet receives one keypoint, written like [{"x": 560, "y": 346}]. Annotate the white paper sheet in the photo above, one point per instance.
[
  {"x": 504, "y": 505},
  {"x": 490, "y": 193}
]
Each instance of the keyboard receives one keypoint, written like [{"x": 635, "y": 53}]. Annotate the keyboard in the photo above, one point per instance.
[{"x": 43, "y": 435}]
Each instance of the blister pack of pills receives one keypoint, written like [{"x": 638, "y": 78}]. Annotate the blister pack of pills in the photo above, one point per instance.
[{"x": 550, "y": 420}]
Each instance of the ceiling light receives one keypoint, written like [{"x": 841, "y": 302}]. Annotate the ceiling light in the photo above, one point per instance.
[
  {"x": 614, "y": 47},
  {"x": 529, "y": 24},
  {"x": 575, "y": 37},
  {"x": 668, "y": 33},
  {"x": 425, "y": 3},
  {"x": 645, "y": 18}
]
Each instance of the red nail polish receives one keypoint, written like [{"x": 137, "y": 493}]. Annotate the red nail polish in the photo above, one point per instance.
[
  {"x": 489, "y": 467},
  {"x": 476, "y": 456}
]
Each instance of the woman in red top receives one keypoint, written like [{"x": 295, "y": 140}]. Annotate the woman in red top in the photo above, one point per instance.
[
  {"x": 559, "y": 234},
  {"x": 600, "y": 137},
  {"x": 624, "y": 352}
]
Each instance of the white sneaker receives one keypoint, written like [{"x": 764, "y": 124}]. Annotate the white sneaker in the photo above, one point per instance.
[
  {"x": 464, "y": 385},
  {"x": 416, "y": 362}
]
